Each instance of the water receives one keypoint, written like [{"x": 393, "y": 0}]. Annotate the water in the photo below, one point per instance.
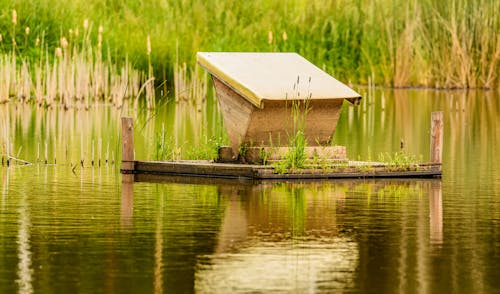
[{"x": 68, "y": 228}]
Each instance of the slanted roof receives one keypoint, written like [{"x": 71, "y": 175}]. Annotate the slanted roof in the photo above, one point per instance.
[{"x": 273, "y": 76}]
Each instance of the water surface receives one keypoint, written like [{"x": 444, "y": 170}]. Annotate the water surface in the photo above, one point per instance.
[{"x": 68, "y": 228}]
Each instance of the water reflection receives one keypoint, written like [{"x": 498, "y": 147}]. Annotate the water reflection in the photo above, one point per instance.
[
  {"x": 158, "y": 270},
  {"x": 309, "y": 236},
  {"x": 436, "y": 213},
  {"x": 24, "y": 267},
  {"x": 127, "y": 201},
  {"x": 291, "y": 246},
  {"x": 387, "y": 117},
  {"x": 67, "y": 229},
  {"x": 5, "y": 180}
]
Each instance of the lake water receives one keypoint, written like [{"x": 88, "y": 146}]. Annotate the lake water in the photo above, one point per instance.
[{"x": 65, "y": 228}]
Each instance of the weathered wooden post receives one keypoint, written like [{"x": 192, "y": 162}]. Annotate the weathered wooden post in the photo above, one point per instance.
[
  {"x": 437, "y": 137},
  {"x": 128, "y": 145}
]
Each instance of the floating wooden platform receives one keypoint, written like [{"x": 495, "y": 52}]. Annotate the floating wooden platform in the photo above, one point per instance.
[
  {"x": 353, "y": 169},
  {"x": 262, "y": 97},
  {"x": 327, "y": 170}
]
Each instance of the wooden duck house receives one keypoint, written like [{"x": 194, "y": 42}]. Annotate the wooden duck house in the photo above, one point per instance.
[{"x": 258, "y": 91}]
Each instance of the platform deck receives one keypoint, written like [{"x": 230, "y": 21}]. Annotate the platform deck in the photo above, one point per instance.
[{"x": 203, "y": 168}]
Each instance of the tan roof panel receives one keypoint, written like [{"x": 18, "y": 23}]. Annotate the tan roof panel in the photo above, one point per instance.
[{"x": 273, "y": 76}]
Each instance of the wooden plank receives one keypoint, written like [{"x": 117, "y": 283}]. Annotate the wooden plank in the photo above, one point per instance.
[
  {"x": 196, "y": 168},
  {"x": 236, "y": 113},
  {"x": 127, "y": 145},
  {"x": 274, "y": 124},
  {"x": 193, "y": 180},
  {"x": 348, "y": 173},
  {"x": 265, "y": 76},
  {"x": 437, "y": 137},
  {"x": 247, "y": 171}
]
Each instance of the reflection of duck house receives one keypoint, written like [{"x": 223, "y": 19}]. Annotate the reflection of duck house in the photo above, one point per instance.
[{"x": 256, "y": 93}]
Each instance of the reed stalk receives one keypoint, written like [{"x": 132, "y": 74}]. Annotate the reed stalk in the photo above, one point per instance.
[
  {"x": 46, "y": 153},
  {"x": 81, "y": 150},
  {"x": 107, "y": 154},
  {"x": 99, "y": 152},
  {"x": 75, "y": 74}
]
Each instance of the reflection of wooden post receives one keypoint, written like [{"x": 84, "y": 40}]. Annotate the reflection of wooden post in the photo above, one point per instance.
[
  {"x": 234, "y": 228},
  {"x": 436, "y": 213},
  {"x": 437, "y": 137},
  {"x": 127, "y": 203},
  {"x": 128, "y": 145}
]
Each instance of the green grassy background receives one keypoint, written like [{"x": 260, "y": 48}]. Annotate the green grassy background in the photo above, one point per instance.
[{"x": 392, "y": 42}]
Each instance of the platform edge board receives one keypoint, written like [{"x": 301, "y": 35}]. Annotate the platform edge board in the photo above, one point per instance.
[
  {"x": 340, "y": 175},
  {"x": 202, "y": 168},
  {"x": 261, "y": 172}
]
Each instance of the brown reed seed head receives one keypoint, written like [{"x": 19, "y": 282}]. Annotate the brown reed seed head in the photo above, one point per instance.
[
  {"x": 27, "y": 31},
  {"x": 1, "y": 38},
  {"x": 285, "y": 37},
  {"x": 64, "y": 43},
  {"x": 58, "y": 52},
  {"x": 270, "y": 37},
  {"x": 85, "y": 24},
  {"x": 14, "y": 17}
]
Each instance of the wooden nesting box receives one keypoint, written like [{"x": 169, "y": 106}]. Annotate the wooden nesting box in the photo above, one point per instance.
[{"x": 257, "y": 92}]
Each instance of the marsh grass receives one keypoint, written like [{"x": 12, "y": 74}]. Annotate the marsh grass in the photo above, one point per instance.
[
  {"x": 400, "y": 161},
  {"x": 54, "y": 136},
  {"x": 73, "y": 74},
  {"x": 399, "y": 43}
]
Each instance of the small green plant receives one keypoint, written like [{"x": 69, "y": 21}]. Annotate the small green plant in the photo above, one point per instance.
[
  {"x": 264, "y": 155},
  {"x": 243, "y": 149},
  {"x": 280, "y": 168},
  {"x": 366, "y": 168},
  {"x": 164, "y": 146},
  {"x": 295, "y": 157},
  {"x": 208, "y": 150},
  {"x": 399, "y": 161}
]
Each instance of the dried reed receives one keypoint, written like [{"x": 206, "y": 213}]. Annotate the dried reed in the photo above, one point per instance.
[{"x": 75, "y": 75}]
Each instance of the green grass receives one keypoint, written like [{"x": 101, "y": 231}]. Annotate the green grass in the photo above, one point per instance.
[
  {"x": 397, "y": 42},
  {"x": 295, "y": 158},
  {"x": 400, "y": 160}
]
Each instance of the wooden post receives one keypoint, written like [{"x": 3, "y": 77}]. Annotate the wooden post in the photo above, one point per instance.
[
  {"x": 128, "y": 145},
  {"x": 437, "y": 137}
]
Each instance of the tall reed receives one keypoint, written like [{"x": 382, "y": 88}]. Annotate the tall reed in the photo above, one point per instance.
[
  {"x": 400, "y": 43},
  {"x": 74, "y": 75}
]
